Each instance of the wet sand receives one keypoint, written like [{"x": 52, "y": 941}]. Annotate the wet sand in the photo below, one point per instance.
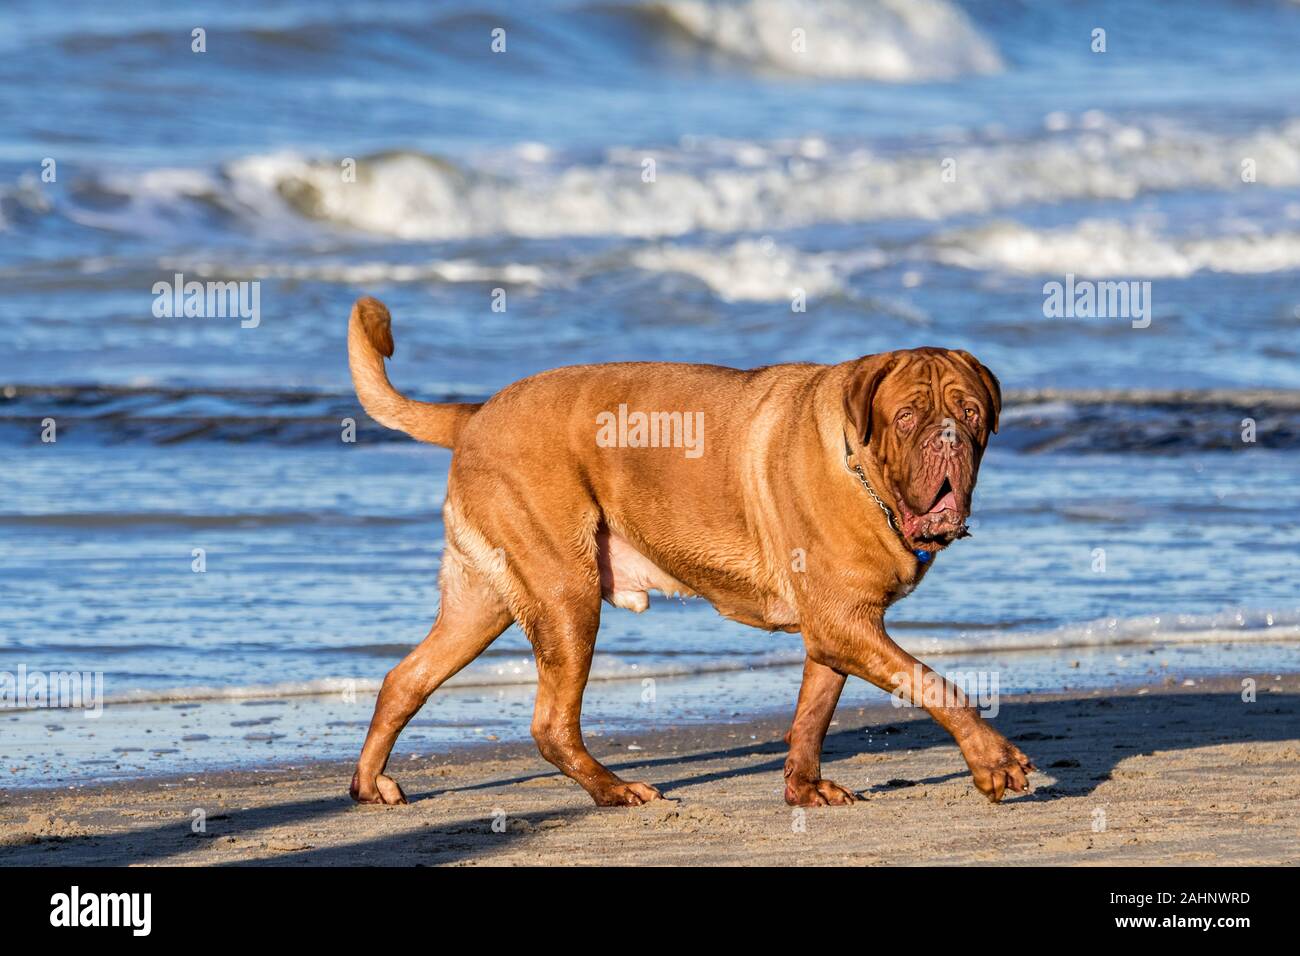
[{"x": 1154, "y": 775}]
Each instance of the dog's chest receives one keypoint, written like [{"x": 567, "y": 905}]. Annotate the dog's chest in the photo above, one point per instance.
[{"x": 907, "y": 577}]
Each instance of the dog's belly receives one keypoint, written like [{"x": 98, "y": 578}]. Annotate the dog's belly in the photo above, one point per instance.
[{"x": 627, "y": 576}]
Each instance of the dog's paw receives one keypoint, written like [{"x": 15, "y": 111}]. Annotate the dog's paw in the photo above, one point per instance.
[
  {"x": 802, "y": 792},
  {"x": 623, "y": 794},
  {"x": 997, "y": 765},
  {"x": 383, "y": 789}
]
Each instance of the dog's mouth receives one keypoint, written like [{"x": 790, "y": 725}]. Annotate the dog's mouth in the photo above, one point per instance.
[{"x": 943, "y": 522}]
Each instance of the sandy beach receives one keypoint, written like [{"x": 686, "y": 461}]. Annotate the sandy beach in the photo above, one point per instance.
[{"x": 1142, "y": 775}]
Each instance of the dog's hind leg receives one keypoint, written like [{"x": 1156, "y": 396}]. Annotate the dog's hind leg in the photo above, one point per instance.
[
  {"x": 564, "y": 638},
  {"x": 471, "y": 617},
  {"x": 536, "y": 532}
]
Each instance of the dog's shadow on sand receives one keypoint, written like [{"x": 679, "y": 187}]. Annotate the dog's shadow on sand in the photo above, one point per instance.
[{"x": 1077, "y": 741}]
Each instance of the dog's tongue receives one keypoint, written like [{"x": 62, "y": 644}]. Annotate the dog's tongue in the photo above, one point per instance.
[{"x": 947, "y": 503}]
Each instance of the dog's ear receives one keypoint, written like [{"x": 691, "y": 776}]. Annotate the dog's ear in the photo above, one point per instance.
[
  {"x": 860, "y": 392},
  {"x": 991, "y": 385}
]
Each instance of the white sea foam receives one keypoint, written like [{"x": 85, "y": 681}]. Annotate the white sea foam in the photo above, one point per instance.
[
  {"x": 1231, "y": 626},
  {"x": 891, "y": 40},
  {"x": 762, "y": 270},
  {"x": 414, "y": 196},
  {"x": 755, "y": 270},
  {"x": 364, "y": 273},
  {"x": 1110, "y": 248},
  {"x": 704, "y": 184},
  {"x": 1227, "y": 627}
]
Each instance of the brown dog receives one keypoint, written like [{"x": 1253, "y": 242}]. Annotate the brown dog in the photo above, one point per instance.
[{"x": 793, "y": 498}]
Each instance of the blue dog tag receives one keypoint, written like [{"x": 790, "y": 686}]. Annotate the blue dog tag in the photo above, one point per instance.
[{"x": 923, "y": 556}]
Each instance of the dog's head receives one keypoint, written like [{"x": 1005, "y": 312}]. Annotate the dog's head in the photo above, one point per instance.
[{"x": 925, "y": 416}]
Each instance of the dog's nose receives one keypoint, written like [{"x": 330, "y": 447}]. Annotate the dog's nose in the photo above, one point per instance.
[{"x": 943, "y": 441}]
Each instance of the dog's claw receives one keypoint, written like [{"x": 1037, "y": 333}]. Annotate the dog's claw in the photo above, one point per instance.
[
  {"x": 817, "y": 793},
  {"x": 623, "y": 794},
  {"x": 997, "y": 765}
]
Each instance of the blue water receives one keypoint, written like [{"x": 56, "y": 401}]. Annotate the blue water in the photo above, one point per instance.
[{"x": 525, "y": 171}]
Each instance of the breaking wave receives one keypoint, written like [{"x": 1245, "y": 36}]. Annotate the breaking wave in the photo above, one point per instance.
[
  {"x": 700, "y": 185},
  {"x": 891, "y": 40}
]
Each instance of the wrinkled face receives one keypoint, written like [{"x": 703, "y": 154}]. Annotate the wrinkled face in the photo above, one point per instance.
[{"x": 926, "y": 416}]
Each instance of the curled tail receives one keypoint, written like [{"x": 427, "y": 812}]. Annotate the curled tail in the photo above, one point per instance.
[{"x": 370, "y": 341}]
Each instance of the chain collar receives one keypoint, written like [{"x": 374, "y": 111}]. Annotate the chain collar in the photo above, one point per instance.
[{"x": 853, "y": 468}]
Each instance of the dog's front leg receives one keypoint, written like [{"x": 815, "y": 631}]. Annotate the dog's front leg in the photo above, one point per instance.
[
  {"x": 818, "y": 695},
  {"x": 864, "y": 650}
]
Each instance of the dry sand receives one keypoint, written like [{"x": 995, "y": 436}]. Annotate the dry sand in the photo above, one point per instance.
[{"x": 1163, "y": 775}]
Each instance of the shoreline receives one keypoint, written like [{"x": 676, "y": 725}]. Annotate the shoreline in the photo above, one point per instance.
[
  {"x": 1140, "y": 775},
  {"x": 45, "y": 749}
]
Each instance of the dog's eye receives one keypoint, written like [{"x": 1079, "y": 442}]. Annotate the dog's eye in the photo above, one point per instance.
[
  {"x": 972, "y": 414},
  {"x": 904, "y": 416}
]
